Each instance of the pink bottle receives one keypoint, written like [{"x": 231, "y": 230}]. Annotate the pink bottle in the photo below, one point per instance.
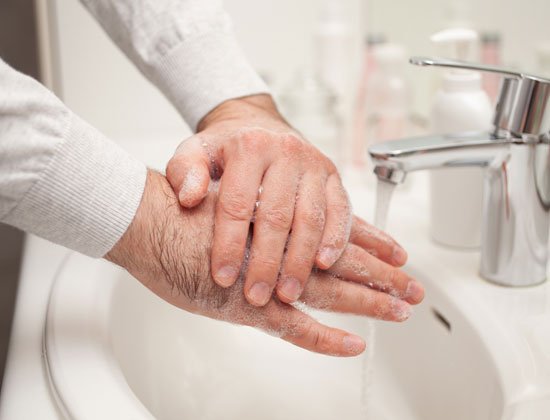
[
  {"x": 359, "y": 133},
  {"x": 490, "y": 55}
]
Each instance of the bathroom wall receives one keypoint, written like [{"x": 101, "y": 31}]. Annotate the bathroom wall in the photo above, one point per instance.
[
  {"x": 277, "y": 36},
  {"x": 18, "y": 48}
]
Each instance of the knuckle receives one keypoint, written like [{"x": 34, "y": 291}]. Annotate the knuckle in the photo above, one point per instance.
[
  {"x": 338, "y": 295},
  {"x": 227, "y": 250},
  {"x": 330, "y": 166},
  {"x": 339, "y": 216},
  {"x": 310, "y": 334},
  {"x": 313, "y": 219},
  {"x": 252, "y": 141},
  {"x": 236, "y": 207},
  {"x": 392, "y": 276},
  {"x": 267, "y": 264},
  {"x": 275, "y": 322},
  {"x": 320, "y": 340},
  {"x": 292, "y": 144},
  {"x": 315, "y": 338},
  {"x": 276, "y": 219},
  {"x": 310, "y": 245}
]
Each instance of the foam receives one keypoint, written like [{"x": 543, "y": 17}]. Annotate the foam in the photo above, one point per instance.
[{"x": 192, "y": 181}]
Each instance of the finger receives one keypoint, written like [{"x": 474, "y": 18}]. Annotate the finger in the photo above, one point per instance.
[
  {"x": 237, "y": 197},
  {"x": 284, "y": 321},
  {"x": 359, "y": 266},
  {"x": 377, "y": 242},
  {"x": 327, "y": 292},
  {"x": 307, "y": 229},
  {"x": 301, "y": 330},
  {"x": 272, "y": 224},
  {"x": 338, "y": 223},
  {"x": 189, "y": 172}
]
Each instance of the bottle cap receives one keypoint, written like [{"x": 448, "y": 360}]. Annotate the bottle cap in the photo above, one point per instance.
[{"x": 458, "y": 44}]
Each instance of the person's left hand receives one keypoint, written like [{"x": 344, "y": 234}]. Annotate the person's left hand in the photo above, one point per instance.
[
  {"x": 167, "y": 248},
  {"x": 271, "y": 174}
]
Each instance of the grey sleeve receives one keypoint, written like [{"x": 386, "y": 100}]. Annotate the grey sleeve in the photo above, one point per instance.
[
  {"x": 185, "y": 47},
  {"x": 59, "y": 177}
]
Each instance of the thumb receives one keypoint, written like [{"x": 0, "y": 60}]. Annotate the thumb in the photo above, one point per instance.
[{"x": 188, "y": 173}]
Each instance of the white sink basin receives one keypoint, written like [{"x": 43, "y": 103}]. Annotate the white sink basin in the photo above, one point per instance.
[{"x": 471, "y": 351}]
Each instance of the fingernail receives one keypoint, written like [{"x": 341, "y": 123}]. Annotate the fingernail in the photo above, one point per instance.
[
  {"x": 328, "y": 256},
  {"x": 259, "y": 294},
  {"x": 353, "y": 344},
  {"x": 414, "y": 291},
  {"x": 225, "y": 276},
  {"x": 182, "y": 196},
  {"x": 401, "y": 310},
  {"x": 290, "y": 288},
  {"x": 192, "y": 181},
  {"x": 399, "y": 256}
]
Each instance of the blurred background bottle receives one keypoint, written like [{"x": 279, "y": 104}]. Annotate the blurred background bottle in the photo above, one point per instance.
[
  {"x": 310, "y": 107},
  {"x": 460, "y": 105},
  {"x": 364, "y": 86},
  {"x": 490, "y": 55}
]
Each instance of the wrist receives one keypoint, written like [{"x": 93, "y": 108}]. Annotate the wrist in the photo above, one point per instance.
[
  {"x": 137, "y": 246},
  {"x": 254, "y": 107}
]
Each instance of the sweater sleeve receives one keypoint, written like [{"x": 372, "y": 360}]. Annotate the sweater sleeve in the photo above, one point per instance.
[
  {"x": 185, "y": 47},
  {"x": 59, "y": 177}
]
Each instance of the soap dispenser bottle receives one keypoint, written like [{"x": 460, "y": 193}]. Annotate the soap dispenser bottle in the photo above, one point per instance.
[{"x": 460, "y": 105}]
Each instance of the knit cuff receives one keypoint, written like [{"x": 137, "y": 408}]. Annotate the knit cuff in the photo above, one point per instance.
[{"x": 87, "y": 196}]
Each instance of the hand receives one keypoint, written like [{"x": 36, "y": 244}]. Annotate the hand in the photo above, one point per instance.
[
  {"x": 271, "y": 174},
  {"x": 167, "y": 248}
]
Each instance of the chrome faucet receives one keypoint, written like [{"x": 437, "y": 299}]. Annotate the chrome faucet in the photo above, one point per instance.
[{"x": 516, "y": 155}]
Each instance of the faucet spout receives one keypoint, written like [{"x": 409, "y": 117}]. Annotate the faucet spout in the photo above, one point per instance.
[
  {"x": 394, "y": 159},
  {"x": 516, "y": 203}
]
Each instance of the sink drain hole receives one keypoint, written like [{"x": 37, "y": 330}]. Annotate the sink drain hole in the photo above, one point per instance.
[{"x": 441, "y": 318}]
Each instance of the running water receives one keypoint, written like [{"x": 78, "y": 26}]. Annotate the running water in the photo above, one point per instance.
[
  {"x": 384, "y": 192},
  {"x": 367, "y": 371}
]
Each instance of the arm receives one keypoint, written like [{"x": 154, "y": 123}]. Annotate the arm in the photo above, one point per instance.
[
  {"x": 185, "y": 47},
  {"x": 59, "y": 177}
]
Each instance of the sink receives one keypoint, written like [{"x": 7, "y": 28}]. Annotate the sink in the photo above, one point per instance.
[{"x": 471, "y": 350}]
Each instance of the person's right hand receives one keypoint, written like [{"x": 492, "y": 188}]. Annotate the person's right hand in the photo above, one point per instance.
[{"x": 167, "y": 248}]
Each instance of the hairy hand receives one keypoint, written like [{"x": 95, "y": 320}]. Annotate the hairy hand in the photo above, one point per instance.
[
  {"x": 168, "y": 247},
  {"x": 271, "y": 174}
]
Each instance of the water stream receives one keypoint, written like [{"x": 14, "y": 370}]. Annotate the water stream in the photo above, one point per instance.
[{"x": 384, "y": 192}]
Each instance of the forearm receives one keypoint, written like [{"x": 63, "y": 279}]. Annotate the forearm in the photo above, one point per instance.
[
  {"x": 59, "y": 177},
  {"x": 186, "y": 48}
]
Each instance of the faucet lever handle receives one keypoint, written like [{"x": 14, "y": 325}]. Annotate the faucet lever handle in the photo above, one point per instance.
[
  {"x": 523, "y": 105},
  {"x": 444, "y": 62}
]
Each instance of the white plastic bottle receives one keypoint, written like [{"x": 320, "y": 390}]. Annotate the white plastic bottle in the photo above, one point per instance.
[
  {"x": 334, "y": 51},
  {"x": 461, "y": 105},
  {"x": 388, "y": 99}
]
